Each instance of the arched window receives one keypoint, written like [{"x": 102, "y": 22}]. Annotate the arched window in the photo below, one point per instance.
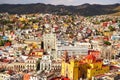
[
  {"x": 33, "y": 67},
  {"x": 27, "y": 66},
  {"x": 49, "y": 66},
  {"x": 33, "y": 61},
  {"x": 30, "y": 67},
  {"x": 45, "y": 67}
]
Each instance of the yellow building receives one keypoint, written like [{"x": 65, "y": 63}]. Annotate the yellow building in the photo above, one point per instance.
[
  {"x": 86, "y": 68},
  {"x": 97, "y": 71},
  {"x": 35, "y": 26},
  {"x": 92, "y": 67},
  {"x": 70, "y": 69},
  {"x": 107, "y": 33}
]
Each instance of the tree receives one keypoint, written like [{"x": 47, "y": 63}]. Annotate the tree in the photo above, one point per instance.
[
  {"x": 111, "y": 28},
  {"x": 107, "y": 43},
  {"x": 1, "y": 43}
]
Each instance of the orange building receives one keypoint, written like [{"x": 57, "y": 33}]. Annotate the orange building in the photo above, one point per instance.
[{"x": 26, "y": 76}]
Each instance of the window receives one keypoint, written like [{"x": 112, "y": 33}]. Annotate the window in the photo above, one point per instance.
[
  {"x": 27, "y": 66},
  {"x": 33, "y": 66},
  {"x": 30, "y": 66},
  {"x": 33, "y": 61}
]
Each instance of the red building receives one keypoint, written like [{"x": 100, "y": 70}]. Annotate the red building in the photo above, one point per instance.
[{"x": 94, "y": 53}]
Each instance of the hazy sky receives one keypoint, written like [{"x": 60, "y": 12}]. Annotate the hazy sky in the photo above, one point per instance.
[{"x": 56, "y": 2}]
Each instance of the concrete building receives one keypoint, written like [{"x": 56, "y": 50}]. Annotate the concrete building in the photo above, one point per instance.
[
  {"x": 106, "y": 52},
  {"x": 75, "y": 48},
  {"x": 46, "y": 63},
  {"x": 83, "y": 45},
  {"x": 72, "y": 50},
  {"x": 49, "y": 41}
]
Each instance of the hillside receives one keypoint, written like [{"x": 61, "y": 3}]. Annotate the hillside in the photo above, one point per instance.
[
  {"x": 116, "y": 14},
  {"x": 84, "y": 10}
]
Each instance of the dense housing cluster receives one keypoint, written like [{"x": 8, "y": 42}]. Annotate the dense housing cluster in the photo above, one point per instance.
[{"x": 54, "y": 47}]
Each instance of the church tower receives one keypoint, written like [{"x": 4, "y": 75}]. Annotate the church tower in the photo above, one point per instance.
[{"x": 49, "y": 41}]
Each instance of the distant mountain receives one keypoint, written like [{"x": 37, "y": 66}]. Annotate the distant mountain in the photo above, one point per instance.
[{"x": 84, "y": 10}]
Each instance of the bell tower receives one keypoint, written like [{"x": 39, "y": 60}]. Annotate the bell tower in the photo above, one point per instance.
[{"x": 49, "y": 41}]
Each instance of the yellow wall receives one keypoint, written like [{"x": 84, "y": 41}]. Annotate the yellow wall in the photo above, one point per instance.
[
  {"x": 107, "y": 33},
  {"x": 75, "y": 74},
  {"x": 39, "y": 53},
  {"x": 92, "y": 69},
  {"x": 71, "y": 69},
  {"x": 97, "y": 71},
  {"x": 83, "y": 69},
  {"x": 96, "y": 65},
  {"x": 75, "y": 70},
  {"x": 22, "y": 19},
  {"x": 63, "y": 68}
]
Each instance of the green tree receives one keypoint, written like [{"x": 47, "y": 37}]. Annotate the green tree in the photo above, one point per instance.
[
  {"x": 1, "y": 43},
  {"x": 111, "y": 28},
  {"x": 107, "y": 43}
]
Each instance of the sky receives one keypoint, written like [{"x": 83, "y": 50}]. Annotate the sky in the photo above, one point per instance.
[{"x": 60, "y": 2}]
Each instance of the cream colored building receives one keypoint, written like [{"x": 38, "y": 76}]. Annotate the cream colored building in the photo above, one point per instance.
[
  {"x": 31, "y": 63},
  {"x": 46, "y": 63},
  {"x": 18, "y": 66},
  {"x": 83, "y": 45},
  {"x": 49, "y": 41},
  {"x": 10, "y": 66}
]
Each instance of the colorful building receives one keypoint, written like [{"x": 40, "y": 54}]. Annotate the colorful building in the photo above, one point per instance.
[
  {"x": 107, "y": 33},
  {"x": 85, "y": 68},
  {"x": 26, "y": 76},
  {"x": 92, "y": 67},
  {"x": 70, "y": 68}
]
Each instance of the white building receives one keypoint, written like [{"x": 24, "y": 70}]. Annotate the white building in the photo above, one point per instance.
[
  {"x": 72, "y": 50},
  {"x": 83, "y": 45},
  {"x": 77, "y": 49},
  {"x": 96, "y": 45},
  {"x": 46, "y": 63},
  {"x": 4, "y": 76},
  {"x": 31, "y": 63}
]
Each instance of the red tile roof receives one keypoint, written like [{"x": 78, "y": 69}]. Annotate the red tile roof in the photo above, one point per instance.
[{"x": 91, "y": 57}]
